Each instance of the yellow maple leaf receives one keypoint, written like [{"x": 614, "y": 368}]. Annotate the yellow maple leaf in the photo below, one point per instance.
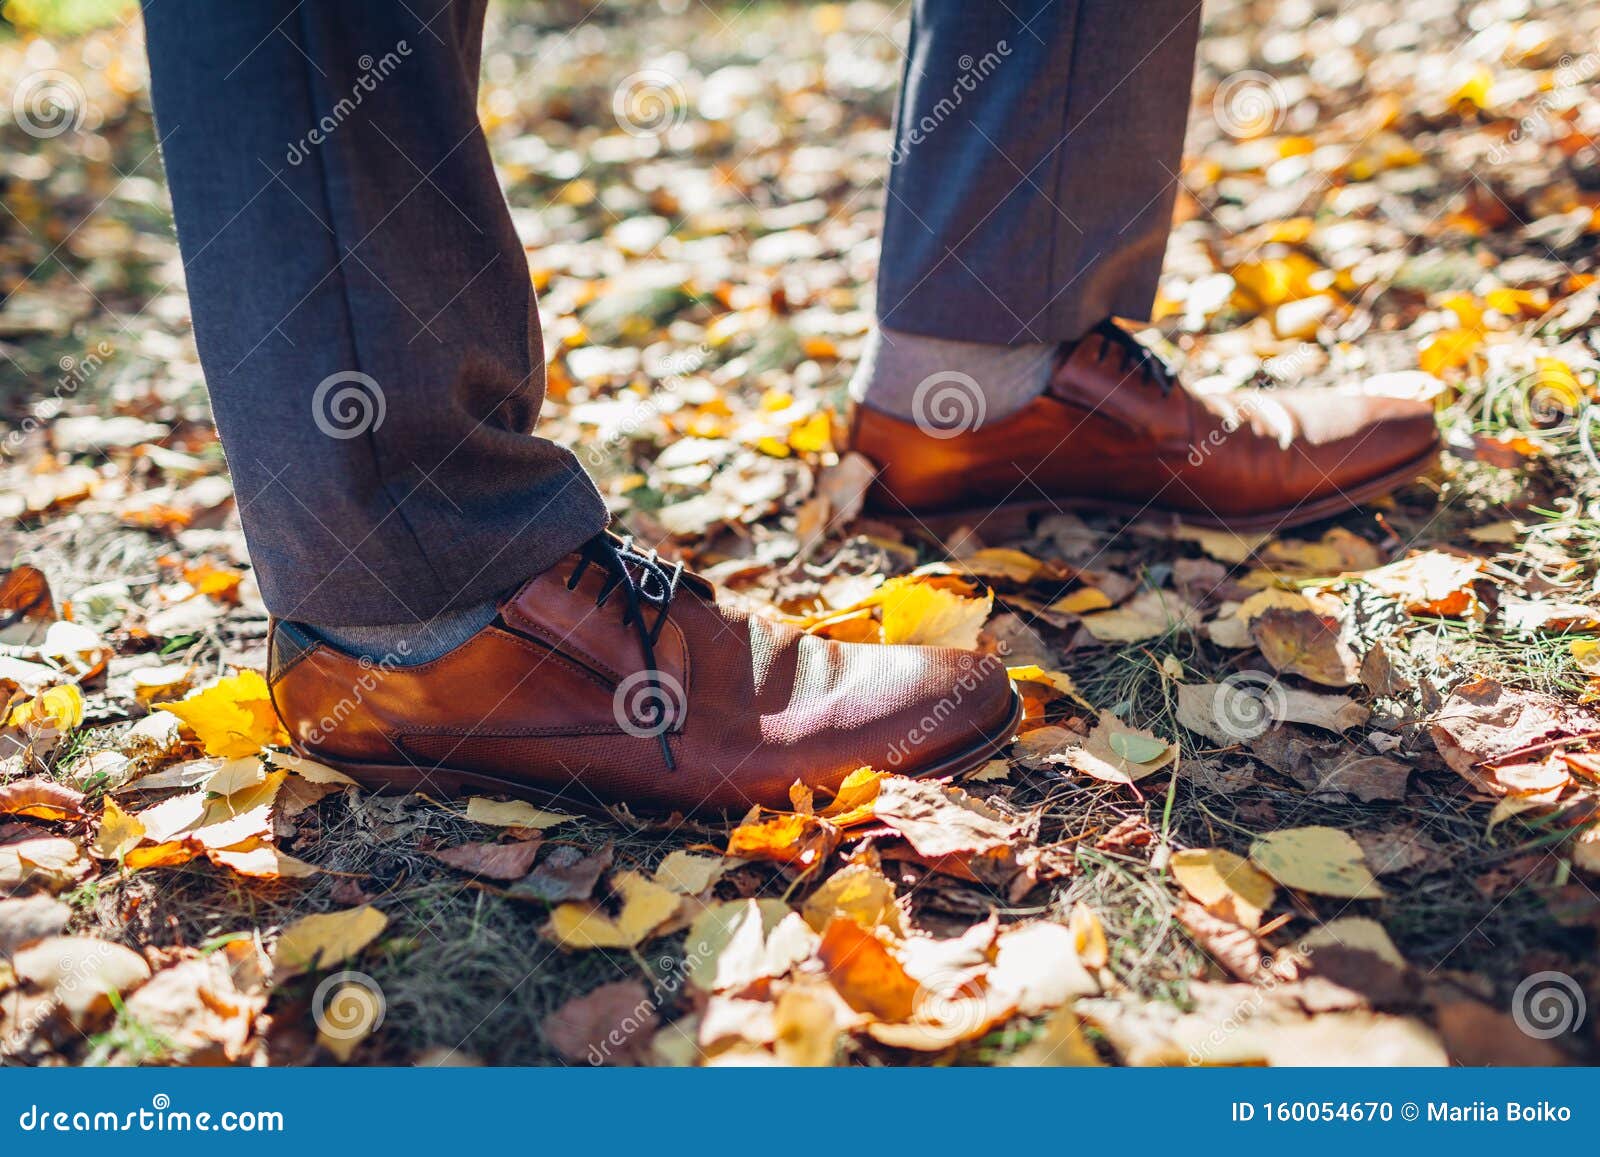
[
  {"x": 233, "y": 717},
  {"x": 927, "y": 614}
]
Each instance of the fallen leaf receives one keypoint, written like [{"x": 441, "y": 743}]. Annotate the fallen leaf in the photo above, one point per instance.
[
  {"x": 232, "y": 717},
  {"x": 802, "y": 840},
  {"x": 1036, "y": 968},
  {"x": 204, "y": 1009},
  {"x": 262, "y": 861},
  {"x": 316, "y": 942},
  {"x": 689, "y": 874},
  {"x": 48, "y": 862},
  {"x": 511, "y": 814},
  {"x": 55, "y": 711},
  {"x": 118, "y": 833},
  {"x": 645, "y": 906},
  {"x": 1147, "y": 615},
  {"x": 608, "y": 1025},
  {"x": 1483, "y": 722},
  {"x": 941, "y": 820},
  {"x": 865, "y": 973},
  {"x": 1306, "y": 644},
  {"x": 491, "y": 861},
  {"x": 726, "y": 948},
  {"x": 1089, "y": 936},
  {"x": 1322, "y": 860},
  {"x": 81, "y": 972},
  {"x": 41, "y": 799},
  {"x": 925, "y": 614},
  {"x": 859, "y": 893},
  {"x": 22, "y": 922},
  {"x": 567, "y": 873},
  {"x": 1117, "y": 753},
  {"x": 1224, "y": 884},
  {"x": 1430, "y": 583},
  {"x": 1060, "y": 1042}
]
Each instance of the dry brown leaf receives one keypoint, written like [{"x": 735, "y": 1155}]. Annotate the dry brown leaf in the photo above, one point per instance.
[
  {"x": 1306, "y": 644},
  {"x": 491, "y": 861},
  {"x": 940, "y": 820},
  {"x": 203, "y": 1009},
  {"x": 609, "y": 1025},
  {"x": 41, "y": 799},
  {"x": 567, "y": 874},
  {"x": 1483, "y": 722}
]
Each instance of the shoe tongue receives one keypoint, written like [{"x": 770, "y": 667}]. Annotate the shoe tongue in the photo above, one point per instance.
[{"x": 1099, "y": 377}]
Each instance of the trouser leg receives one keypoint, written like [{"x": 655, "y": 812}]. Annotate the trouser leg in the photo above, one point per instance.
[
  {"x": 361, "y": 304},
  {"x": 1035, "y": 165}
]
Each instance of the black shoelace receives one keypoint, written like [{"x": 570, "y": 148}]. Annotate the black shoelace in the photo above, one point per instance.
[
  {"x": 1135, "y": 355},
  {"x": 644, "y": 580}
]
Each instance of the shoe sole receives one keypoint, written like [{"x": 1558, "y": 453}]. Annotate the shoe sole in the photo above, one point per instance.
[
  {"x": 386, "y": 778},
  {"x": 1012, "y": 519}
]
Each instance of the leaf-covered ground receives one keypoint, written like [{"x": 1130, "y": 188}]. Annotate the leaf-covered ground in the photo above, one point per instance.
[{"x": 1325, "y": 796}]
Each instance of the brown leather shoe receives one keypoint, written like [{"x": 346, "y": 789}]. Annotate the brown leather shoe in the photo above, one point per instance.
[
  {"x": 1116, "y": 430},
  {"x": 614, "y": 678}
]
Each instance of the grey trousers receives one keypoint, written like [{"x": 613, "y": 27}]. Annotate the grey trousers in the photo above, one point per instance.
[{"x": 362, "y": 305}]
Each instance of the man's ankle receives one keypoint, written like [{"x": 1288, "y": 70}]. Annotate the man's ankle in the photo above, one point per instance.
[
  {"x": 408, "y": 644},
  {"x": 916, "y": 378}
]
